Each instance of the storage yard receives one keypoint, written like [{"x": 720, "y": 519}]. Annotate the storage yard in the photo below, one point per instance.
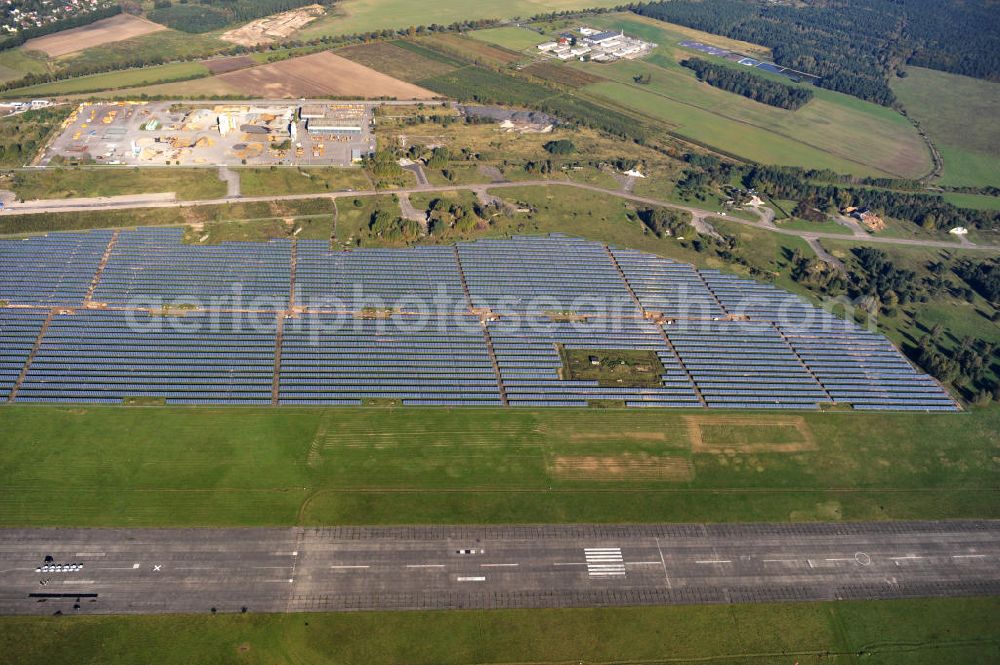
[
  {"x": 193, "y": 134},
  {"x": 136, "y": 316}
]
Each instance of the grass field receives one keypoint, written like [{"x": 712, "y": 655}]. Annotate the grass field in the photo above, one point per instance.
[
  {"x": 515, "y": 39},
  {"x": 910, "y": 632},
  {"x": 972, "y": 201},
  {"x": 159, "y": 466},
  {"x": 832, "y": 131},
  {"x": 264, "y": 182},
  {"x": 63, "y": 183},
  {"x": 959, "y": 114},
  {"x": 113, "y": 80},
  {"x": 16, "y": 62},
  {"x": 354, "y": 16}
]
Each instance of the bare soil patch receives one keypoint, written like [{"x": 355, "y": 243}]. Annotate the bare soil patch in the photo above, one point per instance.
[
  {"x": 273, "y": 28},
  {"x": 749, "y": 435},
  {"x": 224, "y": 65},
  {"x": 629, "y": 466},
  {"x": 114, "y": 29},
  {"x": 321, "y": 75}
]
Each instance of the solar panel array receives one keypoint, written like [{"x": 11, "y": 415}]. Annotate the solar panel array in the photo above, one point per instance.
[
  {"x": 744, "y": 364},
  {"x": 19, "y": 329},
  {"x": 671, "y": 289},
  {"x": 152, "y": 265},
  {"x": 529, "y": 360},
  {"x": 105, "y": 356},
  {"x": 52, "y": 270},
  {"x": 440, "y": 361},
  {"x": 411, "y": 279},
  {"x": 531, "y": 276},
  {"x": 723, "y": 341}
]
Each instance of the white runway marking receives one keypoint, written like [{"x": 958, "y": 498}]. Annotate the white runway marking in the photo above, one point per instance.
[
  {"x": 471, "y": 579},
  {"x": 135, "y": 566},
  {"x": 968, "y": 556},
  {"x": 850, "y": 558},
  {"x": 78, "y": 581},
  {"x": 90, "y": 554},
  {"x": 663, "y": 562},
  {"x": 425, "y": 565},
  {"x": 780, "y": 560},
  {"x": 904, "y": 558},
  {"x": 570, "y": 563},
  {"x": 499, "y": 565},
  {"x": 347, "y": 567},
  {"x": 714, "y": 561},
  {"x": 605, "y": 561},
  {"x": 642, "y": 563}
]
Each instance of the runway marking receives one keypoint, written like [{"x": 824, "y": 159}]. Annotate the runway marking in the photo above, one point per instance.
[
  {"x": 135, "y": 566},
  {"x": 604, "y": 561},
  {"x": 714, "y": 561},
  {"x": 285, "y": 553},
  {"x": 347, "y": 567},
  {"x": 425, "y": 565},
  {"x": 78, "y": 582},
  {"x": 196, "y": 568},
  {"x": 780, "y": 560},
  {"x": 270, "y": 567},
  {"x": 903, "y": 558},
  {"x": 570, "y": 563},
  {"x": 156, "y": 567},
  {"x": 642, "y": 563},
  {"x": 90, "y": 554},
  {"x": 499, "y": 565},
  {"x": 471, "y": 579},
  {"x": 663, "y": 562},
  {"x": 849, "y": 558},
  {"x": 969, "y": 556}
]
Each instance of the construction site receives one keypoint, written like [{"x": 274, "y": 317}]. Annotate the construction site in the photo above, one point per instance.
[{"x": 193, "y": 134}]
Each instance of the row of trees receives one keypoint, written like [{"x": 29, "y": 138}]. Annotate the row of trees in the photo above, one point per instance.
[
  {"x": 749, "y": 85},
  {"x": 75, "y": 21},
  {"x": 208, "y": 15}
]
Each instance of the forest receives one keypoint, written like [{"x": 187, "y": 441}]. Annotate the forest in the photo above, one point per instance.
[
  {"x": 854, "y": 45},
  {"x": 749, "y": 85}
]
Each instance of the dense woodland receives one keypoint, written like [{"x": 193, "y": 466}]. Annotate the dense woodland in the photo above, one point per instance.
[
  {"x": 749, "y": 85},
  {"x": 854, "y": 45}
]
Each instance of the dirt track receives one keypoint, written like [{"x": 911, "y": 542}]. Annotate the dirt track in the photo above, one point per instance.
[
  {"x": 105, "y": 31},
  {"x": 321, "y": 75}
]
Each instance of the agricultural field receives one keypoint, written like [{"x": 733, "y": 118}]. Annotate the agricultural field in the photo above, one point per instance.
[
  {"x": 976, "y": 201},
  {"x": 168, "y": 466},
  {"x": 114, "y": 29},
  {"x": 925, "y": 632},
  {"x": 406, "y": 61},
  {"x": 181, "y": 71},
  {"x": 61, "y": 183},
  {"x": 263, "y": 182},
  {"x": 959, "y": 114},
  {"x": 357, "y": 16},
  {"x": 320, "y": 75},
  {"x": 16, "y": 62}
]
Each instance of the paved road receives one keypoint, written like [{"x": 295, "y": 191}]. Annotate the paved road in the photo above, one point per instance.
[
  {"x": 350, "y": 568},
  {"x": 49, "y": 206}
]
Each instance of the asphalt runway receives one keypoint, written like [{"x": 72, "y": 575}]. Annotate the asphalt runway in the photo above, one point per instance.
[{"x": 139, "y": 571}]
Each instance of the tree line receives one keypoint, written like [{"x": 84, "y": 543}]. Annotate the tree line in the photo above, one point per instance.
[
  {"x": 749, "y": 85},
  {"x": 74, "y": 21}
]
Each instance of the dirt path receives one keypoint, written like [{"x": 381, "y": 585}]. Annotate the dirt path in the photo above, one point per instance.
[
  {"x": 232, "y": 180},
  {"x": 824, "y": 255}
]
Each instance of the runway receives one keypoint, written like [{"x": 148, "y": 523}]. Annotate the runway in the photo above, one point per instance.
[{"x": 145, "y": 571}]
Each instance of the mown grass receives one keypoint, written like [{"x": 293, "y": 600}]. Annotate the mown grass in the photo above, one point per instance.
[
  {"x": 959, "y": 114},
  {"x": 914, "y": 632},
  {"x": 64, "y": 183},
  {"x": 516, "y": 39},
  {"x": 167, "y": 466}
]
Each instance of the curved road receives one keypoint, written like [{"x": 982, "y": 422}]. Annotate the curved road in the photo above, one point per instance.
[{"x": 764, "y": 222}]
